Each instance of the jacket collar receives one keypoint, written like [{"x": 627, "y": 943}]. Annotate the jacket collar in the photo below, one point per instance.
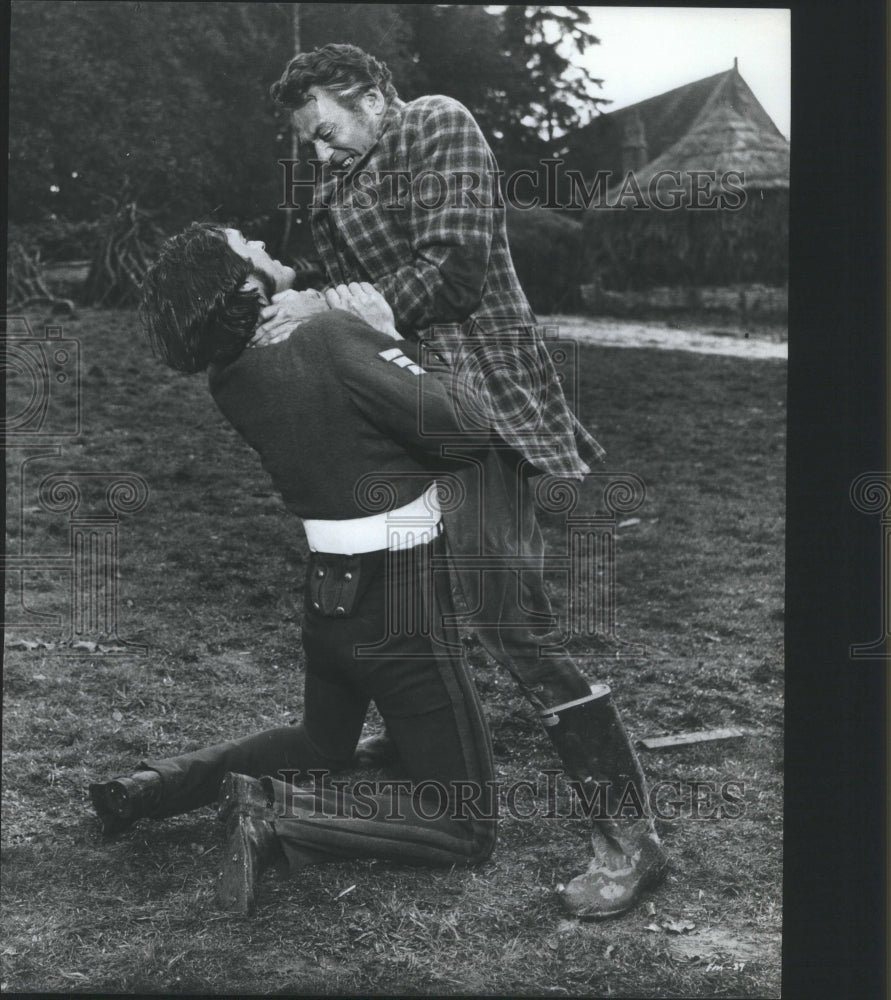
[{"x": 392, "y": 114}]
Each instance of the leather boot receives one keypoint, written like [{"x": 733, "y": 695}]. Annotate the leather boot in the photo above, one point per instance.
[
  {"x": 122, "y": 801},
  {"x": 251, "y": 843},
  {"x": 628, "y": 855}
]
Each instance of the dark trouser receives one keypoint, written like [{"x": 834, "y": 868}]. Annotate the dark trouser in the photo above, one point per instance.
[
  {"x": 420, "y": 684},
  {"x": 508, "y": 609}
]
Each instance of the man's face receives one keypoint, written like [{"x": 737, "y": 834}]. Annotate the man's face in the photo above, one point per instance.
[
  {"x": 255, "y": 251},
  {"x": 340, "y": 135}
]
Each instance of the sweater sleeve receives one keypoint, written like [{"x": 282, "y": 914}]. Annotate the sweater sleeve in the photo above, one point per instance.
[{"x": 394, "y": 393}]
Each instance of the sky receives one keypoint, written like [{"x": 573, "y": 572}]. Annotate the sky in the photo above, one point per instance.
[{"x": 645, "y": 51}]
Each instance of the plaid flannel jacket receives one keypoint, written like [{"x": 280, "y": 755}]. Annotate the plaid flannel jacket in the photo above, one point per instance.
[{"x": 420, "y": 216}]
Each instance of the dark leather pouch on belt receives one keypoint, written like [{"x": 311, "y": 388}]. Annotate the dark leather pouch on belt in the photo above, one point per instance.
[{"x": 334, "y": 584}]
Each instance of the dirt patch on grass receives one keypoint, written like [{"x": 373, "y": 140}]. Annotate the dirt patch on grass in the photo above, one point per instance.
[
  {"x": 209, "y": 578},
  {"x": 756, "y": 341}
]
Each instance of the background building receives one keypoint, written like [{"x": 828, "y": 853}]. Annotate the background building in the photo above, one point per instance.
[{"x": 697, "y": 190}]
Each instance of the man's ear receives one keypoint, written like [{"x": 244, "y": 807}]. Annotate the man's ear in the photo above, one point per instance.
[
  {"x": 253, "y": 283},
  {"x": 373, "y": 101}
]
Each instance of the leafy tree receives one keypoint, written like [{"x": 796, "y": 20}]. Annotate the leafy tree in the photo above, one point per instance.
[
  {"x": 169, "y": 102},
  {"x": 384, "y": 29},
  {"x": 514, "y": 69},
  {"x": 167, "y": 99},
  {"x": 551, "y": 94},
  {"x": 460, "y": 52}
]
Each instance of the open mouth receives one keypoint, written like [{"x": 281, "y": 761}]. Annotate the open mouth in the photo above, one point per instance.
[{"x": 347, "y": 163}]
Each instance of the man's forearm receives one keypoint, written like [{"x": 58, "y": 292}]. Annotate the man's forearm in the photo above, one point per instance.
[{"x": 423, "y": 293}]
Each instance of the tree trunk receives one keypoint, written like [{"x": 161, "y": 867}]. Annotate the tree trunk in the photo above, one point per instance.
[{"x": 295, "y": 145}]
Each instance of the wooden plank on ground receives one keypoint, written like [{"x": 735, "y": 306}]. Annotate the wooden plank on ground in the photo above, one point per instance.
[{"x": 685, "y": 739}]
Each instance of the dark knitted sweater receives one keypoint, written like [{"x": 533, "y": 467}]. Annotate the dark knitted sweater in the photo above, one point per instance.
[{"x": 325, "y": 409}]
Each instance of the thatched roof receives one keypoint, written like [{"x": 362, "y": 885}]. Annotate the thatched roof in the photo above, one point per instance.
[
  {"x": 667, "y": 119},
  {"x": 725, "y": 138}
]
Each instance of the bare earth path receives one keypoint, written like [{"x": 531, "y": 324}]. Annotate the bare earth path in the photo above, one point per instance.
[{"x": 701, "y": 338}]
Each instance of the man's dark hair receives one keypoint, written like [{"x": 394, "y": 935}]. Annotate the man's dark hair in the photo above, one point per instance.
[
  {"x": 345, "y": 70},
  {"x": 193, "y": 307}
]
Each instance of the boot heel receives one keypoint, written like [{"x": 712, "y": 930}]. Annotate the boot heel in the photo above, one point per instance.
[
  {"x": 251, "y": 843},
  {"x": 120, "y": 802}
]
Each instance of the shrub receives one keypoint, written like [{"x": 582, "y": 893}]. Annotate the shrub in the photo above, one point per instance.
[
  {"x": 56, "y": 239},
  {"x": 546, "y": 248}
]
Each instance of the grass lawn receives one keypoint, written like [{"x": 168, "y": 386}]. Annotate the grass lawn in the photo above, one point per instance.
[{"x": 209, "y": 582}]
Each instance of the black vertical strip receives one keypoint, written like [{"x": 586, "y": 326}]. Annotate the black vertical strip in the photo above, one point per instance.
[{"x": 834, "y": 886}]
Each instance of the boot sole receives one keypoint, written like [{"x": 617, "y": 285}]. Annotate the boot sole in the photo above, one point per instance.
[
  {"x": 236, "y": 890},
  {"x": 112, "y": 823},
  {"x": 236, "y": 795},
  {"x": 649, "y": 881}
]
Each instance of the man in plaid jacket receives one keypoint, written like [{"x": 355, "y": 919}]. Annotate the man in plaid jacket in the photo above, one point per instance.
[{"x": 408, "y": 199}]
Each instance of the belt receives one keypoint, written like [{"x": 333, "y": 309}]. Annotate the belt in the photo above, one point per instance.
[{"x": 414, "y": 524}]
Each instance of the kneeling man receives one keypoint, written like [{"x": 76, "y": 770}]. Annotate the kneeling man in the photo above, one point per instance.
[{"x": 332, "y": 411}]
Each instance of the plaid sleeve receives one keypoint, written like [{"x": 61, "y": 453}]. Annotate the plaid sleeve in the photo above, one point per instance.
[{"x": 450, "y": 218}]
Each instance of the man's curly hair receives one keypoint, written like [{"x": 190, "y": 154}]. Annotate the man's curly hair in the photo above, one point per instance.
[
  {"x": 346, "y": 70},
  {"x": 193, "y": 308}
]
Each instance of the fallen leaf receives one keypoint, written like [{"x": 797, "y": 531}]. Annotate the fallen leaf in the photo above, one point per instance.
[
  {"x": 117, "y": 716},
  {"x": 653, "y": 927},
  {"x": 90, "y": 647},
  {"x": 678, "y": 926},
  {"x": 651, "y": 909},
  {"x": 609, "y": 951}
]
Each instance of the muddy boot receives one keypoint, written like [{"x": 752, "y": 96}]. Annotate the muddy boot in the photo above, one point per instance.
[
  {"x": 628, "y": 855},
  {"x": 122, "y": 801},
  {"x": 251, "y": 843},
  {"x": 628, "y": 860}
]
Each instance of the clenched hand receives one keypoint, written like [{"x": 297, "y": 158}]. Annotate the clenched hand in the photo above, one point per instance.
[
  {"x": 284, "y": 313},
  {"x": 365, "y": 301}
]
